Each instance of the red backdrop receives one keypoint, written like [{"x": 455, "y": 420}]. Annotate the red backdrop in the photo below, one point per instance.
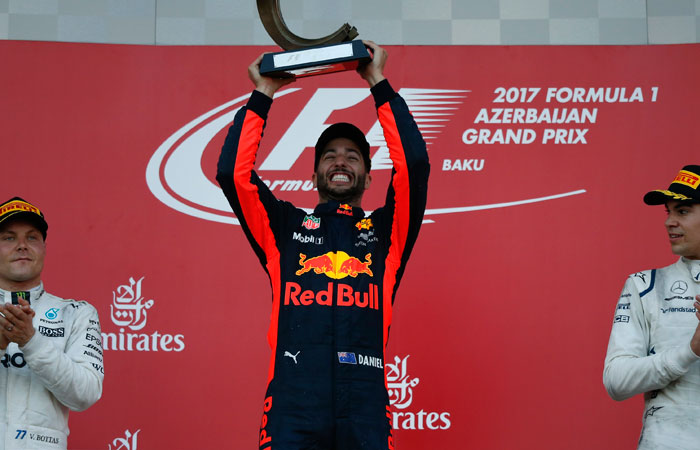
[{"x": 502, "y": 320}]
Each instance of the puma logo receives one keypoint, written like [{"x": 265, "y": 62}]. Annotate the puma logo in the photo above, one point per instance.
[{"x": 294, "y": 357}]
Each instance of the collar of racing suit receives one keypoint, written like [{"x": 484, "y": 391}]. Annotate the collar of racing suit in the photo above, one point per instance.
[
  {"x": 334, "y": 207},
  {"x": 34, "y": 294},
  {"x": 694, "y": 268}
]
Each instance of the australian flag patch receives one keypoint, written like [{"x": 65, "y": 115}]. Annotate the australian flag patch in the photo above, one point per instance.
[{"x": 346, "y": 358}]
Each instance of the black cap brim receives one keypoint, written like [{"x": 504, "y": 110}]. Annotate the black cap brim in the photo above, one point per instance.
[
  {"x": 660, "y": 197},
  {"x": 683, "y": 188}
]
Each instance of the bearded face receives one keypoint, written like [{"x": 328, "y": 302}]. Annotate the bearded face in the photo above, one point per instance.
[{"x": 341, "y": 174}]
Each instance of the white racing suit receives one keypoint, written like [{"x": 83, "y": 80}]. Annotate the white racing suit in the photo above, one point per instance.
[
  {"x": 58, "y": 370},
  {"x": 649, "y": 352}
]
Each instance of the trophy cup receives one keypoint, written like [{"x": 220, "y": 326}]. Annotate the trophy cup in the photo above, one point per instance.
[{"x": 305, "y": 57}]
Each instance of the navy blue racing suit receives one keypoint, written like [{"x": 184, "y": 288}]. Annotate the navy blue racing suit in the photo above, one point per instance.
[{"x": 334, "y": 275}]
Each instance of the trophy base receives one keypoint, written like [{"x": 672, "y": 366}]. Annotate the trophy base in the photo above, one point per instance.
[{"x": 315, "y": 60}]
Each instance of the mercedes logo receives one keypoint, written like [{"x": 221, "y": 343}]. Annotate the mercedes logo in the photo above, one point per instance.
[{"x": 679, "y": 287}]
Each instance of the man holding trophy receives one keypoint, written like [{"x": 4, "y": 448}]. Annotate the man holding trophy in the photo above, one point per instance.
[{"x": 334, "y": 273}]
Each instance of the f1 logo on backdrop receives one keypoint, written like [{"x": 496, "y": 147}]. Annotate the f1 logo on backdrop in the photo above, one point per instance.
[{"x": 175, "y": 176}]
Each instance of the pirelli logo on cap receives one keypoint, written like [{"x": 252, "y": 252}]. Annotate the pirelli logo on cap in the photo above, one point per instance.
[
  {"x": 688, "y": 179},
  {"x": 18, "y": 205}
]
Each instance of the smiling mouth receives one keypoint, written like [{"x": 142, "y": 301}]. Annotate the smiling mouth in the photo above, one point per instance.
[
  {"x": 340, "y": 178},
  {"x": 673, "y": 236}
]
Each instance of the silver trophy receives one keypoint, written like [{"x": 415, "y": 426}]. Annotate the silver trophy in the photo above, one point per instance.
[{"x": 305, "y": 57}]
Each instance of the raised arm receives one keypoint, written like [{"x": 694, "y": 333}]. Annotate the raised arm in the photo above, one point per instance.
[
  {"x": 407, "y": 193},
  {"x": 251, "y": 200}
]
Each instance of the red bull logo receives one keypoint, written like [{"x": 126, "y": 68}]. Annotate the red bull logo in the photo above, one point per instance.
[
  {"x": 264, "y": 438},
  {"x": 335, "y": 265},
  {"x": 345, "y": 209},
  {"x": 344, "y": 294}
]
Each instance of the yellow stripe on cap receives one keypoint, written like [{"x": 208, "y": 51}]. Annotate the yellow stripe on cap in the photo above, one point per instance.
[
  {"x": 17, "y": 206},
  {"x": 674, "y": 195},
  {"x": 687, "y": 178}
]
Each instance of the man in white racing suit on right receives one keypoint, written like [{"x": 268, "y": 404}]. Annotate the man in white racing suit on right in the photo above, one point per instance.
[{"x": 654, "y": 344}]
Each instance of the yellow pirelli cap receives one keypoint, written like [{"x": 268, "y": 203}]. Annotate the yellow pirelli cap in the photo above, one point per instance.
[
  {"x": 685, "y": 187},
  {"x": 18, "y": 208}
]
